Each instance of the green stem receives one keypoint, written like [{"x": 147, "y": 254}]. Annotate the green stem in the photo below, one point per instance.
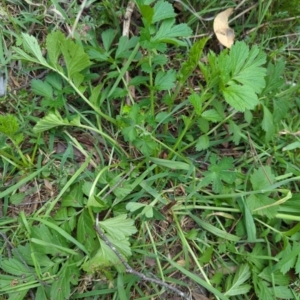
[
  {"x": 210, "y": 132},
  {"x": 151, "y": 88},
  {"x": 179, "y": 139}
]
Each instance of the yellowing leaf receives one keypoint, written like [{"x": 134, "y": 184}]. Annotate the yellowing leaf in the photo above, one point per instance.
[{"x": 224, "y": 33}]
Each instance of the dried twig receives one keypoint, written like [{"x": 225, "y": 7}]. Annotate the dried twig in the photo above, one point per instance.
[
  {"x": 126, "y": 26},
  {"x": 132, "y": 271},
  {"x": 82, "y": 7}
]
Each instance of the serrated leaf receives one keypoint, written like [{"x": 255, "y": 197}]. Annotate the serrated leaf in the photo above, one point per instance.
[
  {"x": 273, "y": 78},
  {"x": 238, "y": 55},
  {"x": 262, "y": 290},
  {"x": 32, "y": 46},
  {"x": 238, "y": 287},
  {"x": 206, "y": 255},
  {"x": 139, "y": 80},
  {"x": 251, "y": 73},
  {"x": 43, "y": 238},
  {"x": 211, "y": 115},
  {"x": 17, "y": 198},
  {"x": 159, "y": 60},
  {"x": 56, "y": 102},
  {"x": 262, "y": 205},
  {"x": 42, "y": 88},
  {"x": 107, "y": 38},
  {"x": 98, "y": 54},
  {"x": 168, "y": 30},
  {"x": 277, "y": 277},
  {"x": 218, "y": 172},
  {"x": 146, "y": 145},
  {"x": 196, "y": 101},
  {"x": 104, "y": 257},
  {"x": 54, "y": 80},
  {"x": 75, "y": 58},
  {"x": 50, "y": 121},
  {"x": 192, "y": 62},
  {"x": 85, "y": 230},
  {"x": 240, "y": 97},
  {"x": 203, "y": 125},
  {"x": 119, "y": 227},
  {"x": 242, "y": 75},
  {"x": 147, "y": 13},
  {"x": 22, "y": 55},
  {"x": 162, "y": 10},
  {"x": 282, "y": 292},
  {"x": 74, "y": 197},
  {"x": 202, "y": 142},
  {"x": 165, "y": 80},
  {"x": 15, "y": 267},
  {"x": 54, "y": 42},
  {"x": 267, "y": 123},
  {"x": 280, "y": 109},
  {"x": 133, "y": 206},
  {"x": 60, "y": 289},
  {"x": 236, "y": 131},
  {"x": 125, "y": 45},
  {"x": 262, "y": 178},
  {"x": 287, "y": 258},
  {"x": 26, "y": 252}
]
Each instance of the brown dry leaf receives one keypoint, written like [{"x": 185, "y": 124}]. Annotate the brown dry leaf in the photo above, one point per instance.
[
  {"x": 224, "y": 33},
  {"x": 199, "y": 297}
]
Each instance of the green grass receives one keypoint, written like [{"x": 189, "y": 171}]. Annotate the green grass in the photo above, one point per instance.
[{"x": 154, "y": 166}]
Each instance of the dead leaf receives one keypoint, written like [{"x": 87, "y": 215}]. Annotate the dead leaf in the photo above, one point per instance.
[
  {"x": 199, "y": 297},
  {"x": 224, "y": 33}
]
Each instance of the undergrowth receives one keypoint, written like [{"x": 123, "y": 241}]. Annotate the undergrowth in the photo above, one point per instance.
[{"x": 151, "y": 164}]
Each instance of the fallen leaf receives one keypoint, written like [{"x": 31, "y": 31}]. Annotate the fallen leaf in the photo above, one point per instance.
[
  {"x": 224, "y": 33},
  {"x": 199, "y": 297}
]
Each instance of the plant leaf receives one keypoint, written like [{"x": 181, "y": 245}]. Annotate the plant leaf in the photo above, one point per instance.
[
  {"x": 237, "y": 286},
  {"x": 85, "y": 231},
  {"x": 50, "y": 121},
  {"x": 163, "y": 10},
  {"x": 224, "y": 33},
  {"x": 240, "y": 97},
  {"x": 118, "y": 227},
  {"x": 75, "y": 58},
  {"x": 32, "y": 46},
  {"x": 54, "y": 43},
  {"x": 168, "y": 31},
  {"x": 262, "y": 178},
  {"x": 60, "y": 289},
  {"x": 202, "y": 142},
  {"x": 42, "y": 88},
  {"x": 165, "y": 80},
  {"x": 211, "y": 115}
]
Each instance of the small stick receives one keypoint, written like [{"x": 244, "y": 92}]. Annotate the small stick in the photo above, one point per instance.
[
  {"x": 126, "y": 26},
  {"x": 132, "y": 271},
  {"x": 82, "y": 7}
]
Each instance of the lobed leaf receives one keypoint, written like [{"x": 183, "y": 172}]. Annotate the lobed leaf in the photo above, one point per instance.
[
  {"x": 162, "y": 10},
  {"x": 238, "y": 287}
]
